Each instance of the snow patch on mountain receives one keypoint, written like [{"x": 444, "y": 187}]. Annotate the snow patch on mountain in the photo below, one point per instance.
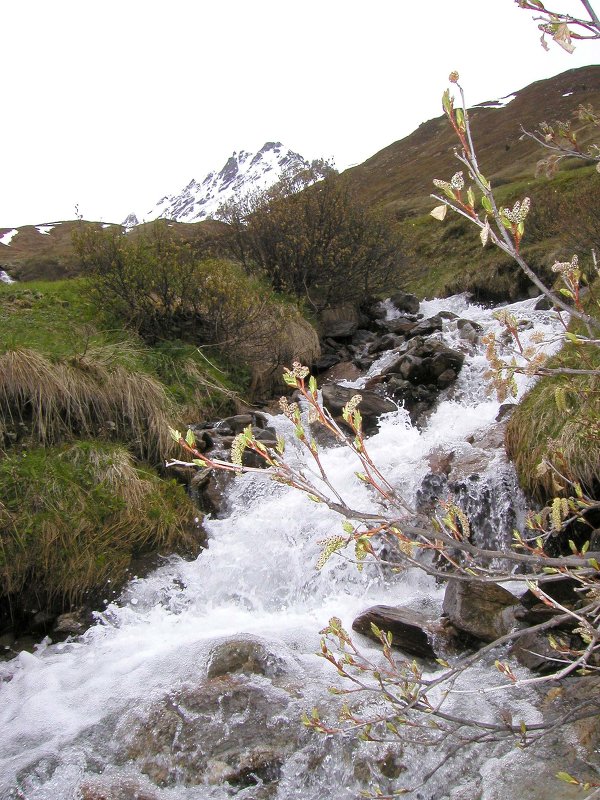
[
  {"x": 7, "y": 237},
  {"x": 243, "y": 172}
]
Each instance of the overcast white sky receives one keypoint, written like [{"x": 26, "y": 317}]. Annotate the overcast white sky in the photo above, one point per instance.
[{"x": 110, "y": 104}]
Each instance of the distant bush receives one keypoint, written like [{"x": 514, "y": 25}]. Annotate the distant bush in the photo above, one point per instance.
[
  {"x": 312, "y": 238},
  {"x": 163, "y": 288}
]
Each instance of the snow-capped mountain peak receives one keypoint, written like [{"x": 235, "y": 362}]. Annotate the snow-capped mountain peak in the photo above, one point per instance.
[{"x": 243, "y": 172}]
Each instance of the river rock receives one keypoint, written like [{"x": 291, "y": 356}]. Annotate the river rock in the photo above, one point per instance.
[
  {"x": 412, "y": 631},
  {"x": 236, "y": 728},
  {"x": 372, "y": 405},
  {"x": 386, "y": 342},
  {"x": 341, "y": 330},
  {"x": 405, "y": 302},
  {"x": 401, "y": 326},
  {"x": 468, "y": 330},
  {"x": 484, "y": 610},
  {"x": 344, "y": 371},
  {"x": 428, "y": 326},
  {"x": 533, "y": 650},
  {"x": 247, "y": 654},
  {"x": 326, "y": 362},
  {"x": 239, "y": 422}
]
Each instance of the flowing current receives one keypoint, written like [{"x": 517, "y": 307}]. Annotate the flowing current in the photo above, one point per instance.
[{"x": 84, "y": 718}]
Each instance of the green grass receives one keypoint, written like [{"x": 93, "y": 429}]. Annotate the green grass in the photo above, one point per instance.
[
  {"x": 85, "y": 409},
  {"x": 73, "y": 517},
  {"x": 559, "y": 421},
  {"x": 59, "y": 320},
  {"x": 447, "y": 257}
]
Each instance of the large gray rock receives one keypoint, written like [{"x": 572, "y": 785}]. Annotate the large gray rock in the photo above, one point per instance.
[
  {"x": 372, "y": 405},
  {"x": 485, "y": 610},
  {"x": 412, "y": 632},
  {"x": 244, "y": 654},
  {"x": 405, "y": 302},
  {"x": 236, "y": 729}
]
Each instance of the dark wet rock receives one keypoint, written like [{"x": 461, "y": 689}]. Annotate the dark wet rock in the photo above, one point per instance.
[
  {"x": 372, "y": 405},
  {"x": 468, "y": 330},
  {"x": 440, "y": 461},
  {"x": 484, "y": 610},
  {"x": 363, "y": 337},
  {"x": 239, "y": 422},
  {"x": 236, "y": 729},
  {"x": 447, "y": 378},
  {"x": 386, "y": 342},
  {"x": 543, "y": 304},
  {"x": 402, "y": 326},
  {"x": 344, "y": 371},
  {"x": 447, "y": 315},
  {"x": 424, "y": 361},
  {"x": 461, "y": 324},
  {"x": 405, "y": 302},
  {"x": 505, "y": 410},
  {"x": 416, "y": 399},
  {"x": 268, "y": 435},
  {"x": 562, "y": 591},
  {"x": 326, "y": 362},
  {"x": 363, "y": 363},
  {"x": 433, "y": 488},
  {"x": 534, "y": 651},
  {"x": 428, "y": 326},
  {"x": 72, "y": 623},
  {"x": 536, "y": 614},
  {"x": 373, "y": 309},
  {"x": 341, "y": 330},
  {"x": 412, "y": 632},
  {"x": 247, "y": 654}
]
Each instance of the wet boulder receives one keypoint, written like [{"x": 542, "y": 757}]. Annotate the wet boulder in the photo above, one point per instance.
[
  {"x": 326, "y": 362},
  {"x": 534, "y": 651},
  {"x": 371, "y": 406},
  {"x": 244, "y": 654},
  {"x": 484, "y": 610},
  {"x": 235, "y": 729},
  {"x": 343, "y": 371},
  {"x": 405, "y": 302},
  {"x": 382, "y": 343},
  {"x": 468, "y": 330},
  {"x": 412, "y": 632},
  {"x": 428, "y": 326},
  {"x": 341, "y": 330}
]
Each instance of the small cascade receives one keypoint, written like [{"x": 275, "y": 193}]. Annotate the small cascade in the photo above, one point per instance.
[{"x": 192, "y": 685}]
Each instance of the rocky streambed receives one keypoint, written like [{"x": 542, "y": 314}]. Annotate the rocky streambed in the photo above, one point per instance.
[{"x": 192, "y": 685}]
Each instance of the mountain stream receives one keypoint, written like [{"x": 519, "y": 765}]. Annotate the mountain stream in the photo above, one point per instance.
[{"x": 138, "y": 707}]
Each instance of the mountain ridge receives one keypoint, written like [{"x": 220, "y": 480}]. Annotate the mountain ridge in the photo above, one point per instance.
[{"x": 242, "y": 172}]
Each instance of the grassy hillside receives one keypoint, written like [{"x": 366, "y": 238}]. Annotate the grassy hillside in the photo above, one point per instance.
[
  {"x": 447, "y": 257},
  {"x": 46, "y": 252},
  {"x": 85, "y": 408}
]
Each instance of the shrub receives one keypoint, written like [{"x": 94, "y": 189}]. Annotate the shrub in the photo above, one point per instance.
[
  {"x": 158, "y": 285},
  {"x": 311, "y": 237}
]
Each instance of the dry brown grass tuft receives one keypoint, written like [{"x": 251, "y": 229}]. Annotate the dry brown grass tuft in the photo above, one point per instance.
[{"x": 88, "y": 396}]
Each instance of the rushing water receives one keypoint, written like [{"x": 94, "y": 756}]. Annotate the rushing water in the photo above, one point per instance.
[{"x": 67, "y": 711}]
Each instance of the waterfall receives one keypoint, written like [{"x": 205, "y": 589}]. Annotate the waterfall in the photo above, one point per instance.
[{"x": 86, "y": 715}]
